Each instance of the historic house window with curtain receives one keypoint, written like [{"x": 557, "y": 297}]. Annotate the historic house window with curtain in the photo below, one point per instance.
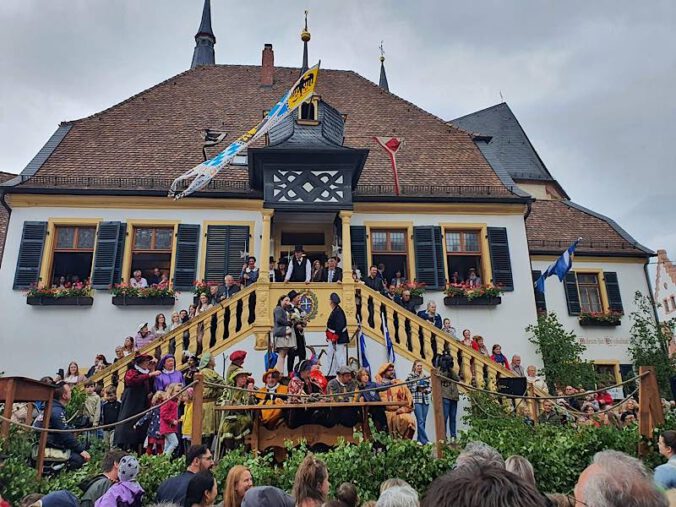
[
  {"x": 590, "y": 294},
  {"x": 152, "y": 248},
  {"x": 390, "y": 247},
  {"x": 463, "y": 253},
  {"x": 73, "y": 254}
]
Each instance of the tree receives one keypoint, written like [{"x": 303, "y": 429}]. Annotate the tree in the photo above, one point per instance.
[
  {"x": 561, "y": 354},
  {"x": 649, "y": 343}
]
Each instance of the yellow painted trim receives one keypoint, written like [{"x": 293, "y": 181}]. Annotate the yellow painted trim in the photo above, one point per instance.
[
  {"x": 610, "y": 362},
  {"x": 386, "y": 224},
  {"x": 129, "y": 202},
  {"x": 48, "y": 249},
  {"x": 600, "y": 260},
  {"x": 486, "y": 266},
  {"x": 602, "y": 285},
  {"x": 129, "y": 240},
  {"x": 203, "y": 243},
  {"x": 440, "y": 208}
]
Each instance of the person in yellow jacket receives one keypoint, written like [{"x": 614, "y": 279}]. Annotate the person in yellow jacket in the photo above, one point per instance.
[
  {"x": 400, "y": 419},
  {"x": 272, "y": 393},
  {"x": 186, "y": 418}
]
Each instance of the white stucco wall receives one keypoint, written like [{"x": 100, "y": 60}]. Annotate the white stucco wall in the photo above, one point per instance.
[
  {"x": 504, "y": 324},
  {"x": 37, "y": 341},
  {"x": 665, "y": 287},
  {"x": 603, "y": 343}
]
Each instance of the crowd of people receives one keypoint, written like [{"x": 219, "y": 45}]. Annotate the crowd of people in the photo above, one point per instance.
[{"x": 480, "y": 476}]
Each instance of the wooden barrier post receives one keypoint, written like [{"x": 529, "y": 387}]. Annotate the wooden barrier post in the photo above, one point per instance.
[
  {"x": 197, "y": 409},
  {"x": 650, "y": 413},
  {"x": 46, "y": 416},
  {"x": 438, "y": 407}
]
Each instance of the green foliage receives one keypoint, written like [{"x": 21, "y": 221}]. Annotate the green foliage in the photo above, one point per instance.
[
  {"x": 155, "y": 470},
  {"x": 649, "y": 343},
  {"x": 561, "y": 354},
  {"x": 77, "y": 400}
]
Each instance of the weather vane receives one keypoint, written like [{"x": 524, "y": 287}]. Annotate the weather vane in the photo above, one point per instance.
[{"x": 382, "y": 50}]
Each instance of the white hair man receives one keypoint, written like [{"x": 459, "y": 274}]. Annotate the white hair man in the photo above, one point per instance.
[
  {"x": 398, "y": 496},
  {"x": 479, "y": 454},
  {"x": 615, "y": 479}
]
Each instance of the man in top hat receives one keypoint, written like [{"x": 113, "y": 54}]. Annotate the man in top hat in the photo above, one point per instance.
[
  {"x": 272, "y": 393},
  {"x": 143, "y": 336},
  {"x": 298, "y": 320},
  {"x": 299, "y": 267},
  {"x": 337, "y": 336},
  {"x": 344, "y": 388},
  {"x": 236, "y": 361}
]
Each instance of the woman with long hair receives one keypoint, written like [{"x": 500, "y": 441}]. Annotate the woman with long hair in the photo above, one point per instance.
[
  {"x": 73, "y": 374},
  {"x": 237, "y": 483},
  {"x": 175, "y": 321},
  {"x": 282, "y": 332},
  {"x": 202, "y": 490},
  {"x": 421, "y": 390},
  {"x": 498, "y": 357},
  {"x": 311, "y": 486},
  {"x": 160, "y": 327},
  {"x": 128, "y": 345}
]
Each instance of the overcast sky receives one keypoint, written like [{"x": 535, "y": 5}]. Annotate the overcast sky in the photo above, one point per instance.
[{"x": 592, "y": 83}]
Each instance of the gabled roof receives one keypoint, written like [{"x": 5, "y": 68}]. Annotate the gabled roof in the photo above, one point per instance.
[
  {"x": 552, "y": 226},
  {"x": 505, "y": 144},
  {"x": 153, "y": 137},
  {"x": 4, "y": 176},
  {"x": 665, "y": 265}
]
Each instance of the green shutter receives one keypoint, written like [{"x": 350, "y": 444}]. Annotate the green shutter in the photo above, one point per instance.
[
  {"x": 224, "y": 244},
  {"x": 105, "y": 260},
  {"x": 30, "y": 255},
  {"x": 498, "y": 246},
  {"x": 358, "y": 245},
  {"x": 540, "y": 302},
  {"x": 613, "y": 291},
  {"x": 117, "y": 273},
  {"x": 572, "y": 295},
  {"x": 429, "y": 256},
  {"x": 187, "y": 247}
]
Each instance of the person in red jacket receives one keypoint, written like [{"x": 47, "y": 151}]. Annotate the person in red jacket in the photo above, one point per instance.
[
  {"x": 169, "y": 419},
  {"x": 498, "y": 357},
  {"x": 604, "y": 398}
]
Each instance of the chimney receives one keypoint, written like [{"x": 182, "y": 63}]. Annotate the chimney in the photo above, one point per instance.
[{"x": 268, "y": 66}]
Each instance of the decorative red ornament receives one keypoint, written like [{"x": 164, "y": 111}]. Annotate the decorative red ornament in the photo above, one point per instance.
[{"x": 392, "y": 146}]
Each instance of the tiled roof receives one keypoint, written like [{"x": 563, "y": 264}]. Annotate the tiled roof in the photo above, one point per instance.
[
  {"x": 553, "y": 226},
  {"x": 156, "y": 134}
]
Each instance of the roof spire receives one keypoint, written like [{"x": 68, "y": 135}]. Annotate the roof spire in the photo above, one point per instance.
[
  {"x": 204, "y": 40},
  {"x": 383, "y": 77},
  {"x": 305, "y": 37}
]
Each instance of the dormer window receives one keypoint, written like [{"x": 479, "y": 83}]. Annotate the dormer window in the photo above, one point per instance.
[{"x": 308, "y": 112}]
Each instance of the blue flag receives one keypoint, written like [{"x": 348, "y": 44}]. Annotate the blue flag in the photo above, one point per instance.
[
  {"x": 391, "y": 357},
  {"x": 559, "y": 268},
  {"x": 362, "y": 348}
]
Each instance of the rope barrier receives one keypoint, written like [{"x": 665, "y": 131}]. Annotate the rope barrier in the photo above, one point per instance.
[{"x": 100, "y": 427}]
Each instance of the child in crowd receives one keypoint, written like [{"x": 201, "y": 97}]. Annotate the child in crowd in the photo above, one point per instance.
[
  {"x": 186, "y": 418},
  {"x": 92, "y": 406},
  {"x": 169, "y": 420},
  {"x": 127, "y": 492},
  {"x": 110, "y": 411},
  {"x": 155, "y": 439}
]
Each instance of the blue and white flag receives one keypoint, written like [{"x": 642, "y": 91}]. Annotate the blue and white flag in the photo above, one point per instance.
[
  {"x": 559, "y": 268},
  {"x": 362, "y": 350},
  {"x": 391, "y": 357}
]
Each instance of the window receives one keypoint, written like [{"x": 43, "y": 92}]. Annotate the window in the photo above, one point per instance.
[
  {"x": 590, "y": 294},
  {"x": 73, "y": 254},
  {"x": 673, "y": 303},
  {"x": 463, "y": 253},
  {"x": 151, "y": 248},
  {"x": 390, "y": 248},
  {"x": 307, "y": 112},
  {"x": 665, "y": 304}
]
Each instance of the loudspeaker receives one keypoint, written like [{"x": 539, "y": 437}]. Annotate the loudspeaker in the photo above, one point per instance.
[{"x": 515, "y": 386}]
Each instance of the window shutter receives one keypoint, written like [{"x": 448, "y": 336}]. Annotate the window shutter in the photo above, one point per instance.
[
  {"x": 572, "y": 295},
  {"x": 540, "y": 302},
  {"x": 224, "y": 243},
  {"x": 117, "y": 273},
  {"x": 613, "y": 291},
  {"x": 358, "y": 245},
  {"x": 105, "y": 260},
  {"x": 499, "y": 251},
  {"x": 30, "y": 255},
  {"x": 187, "y": 246},
  {"x": 429, "y": 266}
]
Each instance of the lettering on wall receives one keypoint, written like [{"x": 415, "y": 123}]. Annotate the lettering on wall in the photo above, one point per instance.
[{"x": 606, "y": 340}]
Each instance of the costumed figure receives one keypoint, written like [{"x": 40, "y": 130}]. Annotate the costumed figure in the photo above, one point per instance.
[
  {"x": 211, "y": 394},
  {"x": 168, "y": 373},
  {"x": 336, "y": 336},
  {"x": 298, "y": 320},
  {"x": 344, "y": 389},
  {"x": 236, "y": 424},
  {"x": 272, "y": 393},
  {"x": 282, "y": 332},
  {"x": 305, "y": 387},
  {"x": 236, "y": 362},
  {"x": 400, "y": 419},
  {"x": 138, "y": 382}
]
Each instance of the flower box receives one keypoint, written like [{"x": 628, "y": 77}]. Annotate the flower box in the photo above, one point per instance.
[
  {"x": 600, "y": 319},
  {"x": 124, "y": 300},
  {"x": 417, "y": 300},
  {"x": 60, "y": 301},
  {"x": 461, "y": 300}
]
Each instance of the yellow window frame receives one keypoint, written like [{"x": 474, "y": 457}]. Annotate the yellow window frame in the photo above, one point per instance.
[
  {"x": 602, "y": 285},
  {"x": 50, "y": 243},
  {"x": 129, "y": 242},
  {"x": 482, "y": 229},
  {"x": 410, "y": 254},
  {"x": 203, "y": 242},
  {"x": 610, "y": 362}
]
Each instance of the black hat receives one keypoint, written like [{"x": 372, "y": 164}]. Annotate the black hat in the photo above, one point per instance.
[
  {"x": 298, "y": 248},
  {"x": 272, "y": 259},
  {"x": 283, "y": 260},
  {"x": 293, "y": 294},
  {"x": 335, "y": 298}
]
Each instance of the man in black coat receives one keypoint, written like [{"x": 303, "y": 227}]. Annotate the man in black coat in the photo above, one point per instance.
[
  {"x": 332, "y": 273},
  {"x": 65, "y": 441},
  {"x": 374, "y": 280},
  {"x": 299, "y": 267},
  {"x": 337, "y": 336}
]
